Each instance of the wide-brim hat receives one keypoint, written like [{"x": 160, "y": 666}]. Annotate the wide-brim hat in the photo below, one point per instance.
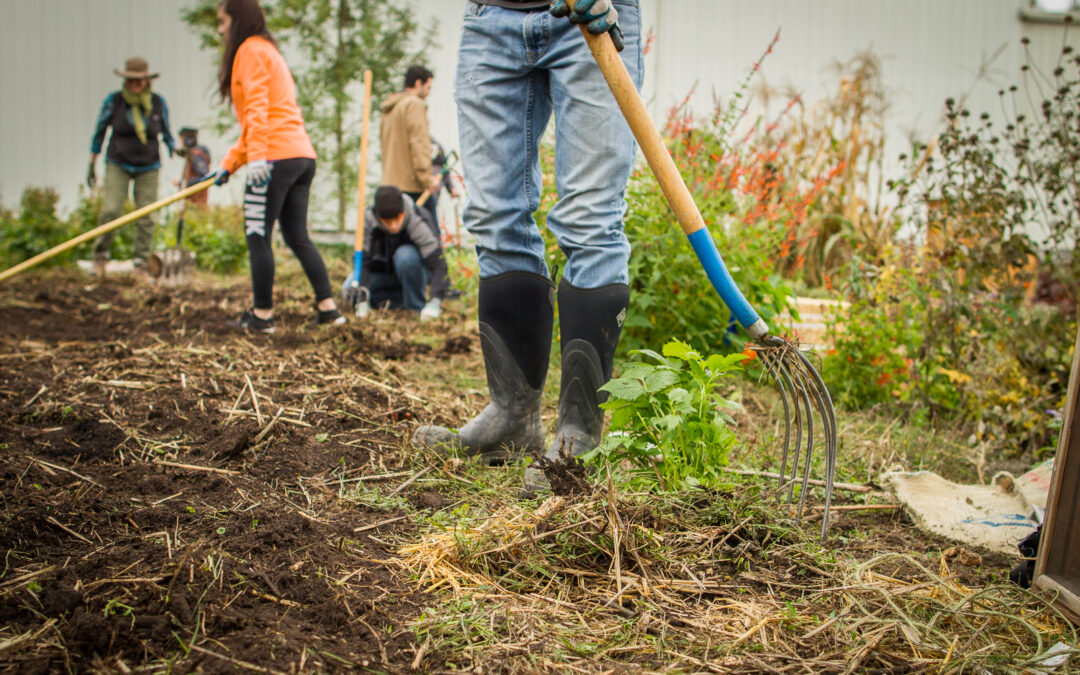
[{"x": 136, "y": 68}]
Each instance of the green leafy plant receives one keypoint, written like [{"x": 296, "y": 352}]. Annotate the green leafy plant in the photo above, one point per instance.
[
  {"x": 668, "y": 421},
  {"x": 37, "y": 226}
]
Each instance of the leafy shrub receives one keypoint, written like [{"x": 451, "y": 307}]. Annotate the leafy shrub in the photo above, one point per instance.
[
  {"x": 37, "y": 227},
  {"x": 670, "y": 294},
  {"x": 667, "y": 419},
  {"x": 216, "y": 234},
  {"x": 946, "y": 328}
]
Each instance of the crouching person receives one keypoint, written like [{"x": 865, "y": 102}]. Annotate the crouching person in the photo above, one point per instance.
[{"x": 401, "y": 257}]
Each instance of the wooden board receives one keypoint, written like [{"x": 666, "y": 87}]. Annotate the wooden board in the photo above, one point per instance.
[{"x": 1057, "y": 567}]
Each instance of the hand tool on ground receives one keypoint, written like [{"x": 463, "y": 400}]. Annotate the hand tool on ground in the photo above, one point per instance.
[
  {"x": 352, "y": 294},
  {"x": 172, "y": 266},
  {"x": 102, "y": 229},
  {"x": 451, "y": 161},
  {"x": 802, "y": 390}
]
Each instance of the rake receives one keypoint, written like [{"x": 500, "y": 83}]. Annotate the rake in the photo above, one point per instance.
[
  {"x": 172, "y": 266},
  {"x": 102, "y": 229},
  {"x": 802, "y": 391}
]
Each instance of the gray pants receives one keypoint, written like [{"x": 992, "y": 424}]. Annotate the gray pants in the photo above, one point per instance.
[{"x": 115, "y": 195}]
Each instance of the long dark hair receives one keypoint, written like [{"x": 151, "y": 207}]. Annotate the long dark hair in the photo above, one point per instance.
[{"x": 247, "y": 19}]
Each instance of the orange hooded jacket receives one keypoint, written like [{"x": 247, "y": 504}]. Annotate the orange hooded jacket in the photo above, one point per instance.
[{"x": 264, "y": 98}]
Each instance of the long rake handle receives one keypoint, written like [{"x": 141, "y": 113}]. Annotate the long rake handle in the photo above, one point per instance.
[
  {"x": 102, "y": 229},
  {"x": 361, "y": 190},
  {"x": 671, "y": 181}
]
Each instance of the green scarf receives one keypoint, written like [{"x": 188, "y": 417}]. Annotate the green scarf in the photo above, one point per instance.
[{"x": 139, "y": 103}]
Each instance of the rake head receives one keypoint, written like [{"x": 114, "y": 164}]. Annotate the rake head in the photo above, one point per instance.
[
  {"x": 171, "y": 267},
  {"x": 805, "y": 397}
]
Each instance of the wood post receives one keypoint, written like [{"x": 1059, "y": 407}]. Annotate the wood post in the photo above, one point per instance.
[{"x": 1057, "y": 567}]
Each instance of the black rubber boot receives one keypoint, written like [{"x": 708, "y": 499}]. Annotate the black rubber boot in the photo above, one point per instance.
[
  {"x": 590, "y": 321},
  {"x": 516, "y": 317}
]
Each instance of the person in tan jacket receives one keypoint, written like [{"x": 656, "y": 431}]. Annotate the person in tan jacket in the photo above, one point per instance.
[{"x": 406, "y": 138}]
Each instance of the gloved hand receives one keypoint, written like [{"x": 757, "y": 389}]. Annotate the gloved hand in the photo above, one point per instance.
[
  {"x": 431, "y": 310},
  {"x": 181, "y": 152},
  {"x": 598, "y": 15},
  {"x": 91, "y": 176},
  {"x": 258, "y": 172},
  {"x": 220, "y": 176},
  {"x": 363, "y": 308}
]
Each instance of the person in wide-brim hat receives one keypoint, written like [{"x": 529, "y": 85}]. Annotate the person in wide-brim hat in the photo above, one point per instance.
[
  {"x": 138, "y": 118},
  {"x": 136, "y": 68}
]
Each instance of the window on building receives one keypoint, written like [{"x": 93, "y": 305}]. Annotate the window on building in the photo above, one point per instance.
[
  {"x": 1050, "y": 11},
  {"x": 1056, "y": 6}
]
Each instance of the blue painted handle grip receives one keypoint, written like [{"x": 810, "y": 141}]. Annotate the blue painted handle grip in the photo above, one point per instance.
[
  {"x": 718, "y": 274},
  {"x": 357, "y": 266}
]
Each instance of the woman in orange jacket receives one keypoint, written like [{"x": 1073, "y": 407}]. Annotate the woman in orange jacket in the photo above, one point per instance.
[{"x": 279, "y": 157}]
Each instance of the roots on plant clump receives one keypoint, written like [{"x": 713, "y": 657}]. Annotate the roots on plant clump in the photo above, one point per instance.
[{"x": 567, "y": 474}]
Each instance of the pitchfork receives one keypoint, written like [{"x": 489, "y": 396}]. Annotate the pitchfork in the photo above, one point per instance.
[
  {"x": 802, "y": 390},
  {"x": 352, "y": 293}
]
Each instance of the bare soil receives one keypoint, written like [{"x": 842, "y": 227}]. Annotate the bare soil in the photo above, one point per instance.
[{"x": 147, "y": 507}]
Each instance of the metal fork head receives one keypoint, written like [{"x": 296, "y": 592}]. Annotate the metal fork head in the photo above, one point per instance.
[
  {"x": 353, "y": 294},
  {"x": 176, "y": 264},
  {"x": 804, "y": 397}
]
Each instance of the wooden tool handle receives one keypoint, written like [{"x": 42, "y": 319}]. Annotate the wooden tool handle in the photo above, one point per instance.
[
  {"x": 361, "y": 196},
  {"x": 102, "y": 229},
  {"x": 652, "y": 146},
  {"x": 671, "y": 182}
]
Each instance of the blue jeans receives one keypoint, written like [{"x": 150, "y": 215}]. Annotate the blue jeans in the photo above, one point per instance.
[
  {"x": 406, "y": 287},
  {"x": 514, "y": 69}
]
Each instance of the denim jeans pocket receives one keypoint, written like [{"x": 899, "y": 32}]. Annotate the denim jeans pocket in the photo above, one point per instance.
[{"x": 474, "y": 10}]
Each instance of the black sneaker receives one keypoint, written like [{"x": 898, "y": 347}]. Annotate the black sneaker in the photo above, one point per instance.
[
  {"x": 248, "y": 321},
  {"x": 329, "y": 317}
]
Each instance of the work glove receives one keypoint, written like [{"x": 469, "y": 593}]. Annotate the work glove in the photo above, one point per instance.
[
  {"x": 363, "y": 308},
  {"x": 431, "y": 310},
  {"x": 258, "y": 172},
  {"x": 181, "y": 152},
  {"x": 597, "y": 15},
  {"x": 220, "y": 176},
  {"x": 91, "y": 176}
]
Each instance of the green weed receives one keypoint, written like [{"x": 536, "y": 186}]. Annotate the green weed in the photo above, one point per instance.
[{"x": 668, "y": 420}]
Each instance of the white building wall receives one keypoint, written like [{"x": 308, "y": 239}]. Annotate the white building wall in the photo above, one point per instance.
[{"x": 57, "y": 57}]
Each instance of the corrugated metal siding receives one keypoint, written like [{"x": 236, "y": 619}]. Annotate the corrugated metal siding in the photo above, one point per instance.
[{"x": 57, "y": 57}]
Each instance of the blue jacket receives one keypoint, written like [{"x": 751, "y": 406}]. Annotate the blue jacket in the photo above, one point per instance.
[{"x": 125, "y": 148}]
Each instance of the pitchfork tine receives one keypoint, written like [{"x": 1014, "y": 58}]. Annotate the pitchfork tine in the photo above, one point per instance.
[
  {"x": 788, "y": 385},
  {"x": 775, "y": 374},
  {"x": 804, "y": 393},
  {"x": 828, "y": 418}
]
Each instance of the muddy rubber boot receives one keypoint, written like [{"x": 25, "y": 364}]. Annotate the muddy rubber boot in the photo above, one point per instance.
[
  {"x": 516, "y": 317},
  {"x": 590, "y": 321}
]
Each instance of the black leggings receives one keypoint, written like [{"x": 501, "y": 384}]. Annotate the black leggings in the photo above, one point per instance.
[{"x": 284, "y": 198}]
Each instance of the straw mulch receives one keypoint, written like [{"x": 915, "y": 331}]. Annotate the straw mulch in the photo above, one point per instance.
[{"x": 631, "y": 580}]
